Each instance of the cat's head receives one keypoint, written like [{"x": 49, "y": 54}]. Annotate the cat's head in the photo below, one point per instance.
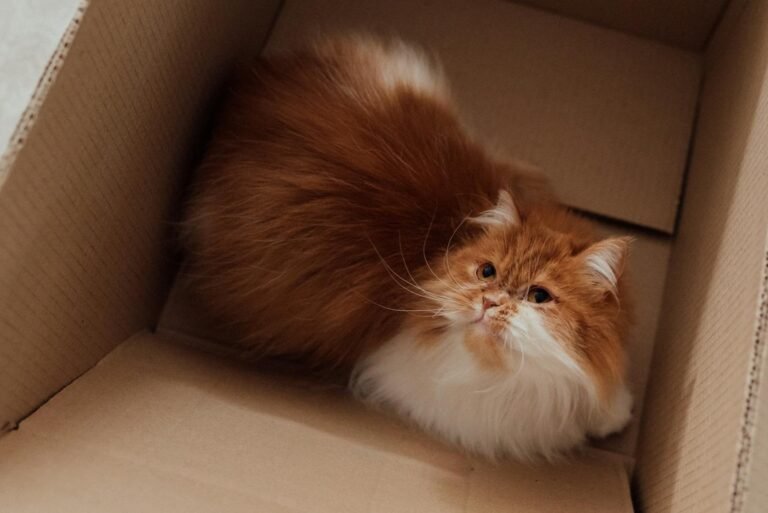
[{"x": 536, "y": 284}]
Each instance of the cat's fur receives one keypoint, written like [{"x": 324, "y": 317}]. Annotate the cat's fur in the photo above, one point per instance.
[{"x": 341, "y": 215}]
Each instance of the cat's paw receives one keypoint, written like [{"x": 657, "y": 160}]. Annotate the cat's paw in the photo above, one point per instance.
[{"x": 615, "y": 418}]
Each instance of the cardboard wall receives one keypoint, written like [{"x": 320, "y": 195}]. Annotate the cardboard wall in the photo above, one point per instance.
[
  {"x": 85, "y": 212},
  {"x": 684, "y": 23},
  {"x": 696, "y": 453},
  {"x": 607, "y": 116}
]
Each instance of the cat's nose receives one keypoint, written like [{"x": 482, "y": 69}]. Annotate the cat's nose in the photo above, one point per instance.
[{"x": 488, "y": 303}]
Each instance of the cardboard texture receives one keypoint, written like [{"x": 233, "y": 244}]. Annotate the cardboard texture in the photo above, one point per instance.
[
  {"x": 614, "y": 141},
  {"x": 84, "y": 215},
  {"x": 684, "y": 23},
  {"x": 708, "y": 359},
  {"x": 160, "y": 427},
  {"x": 114, "y": 125}
]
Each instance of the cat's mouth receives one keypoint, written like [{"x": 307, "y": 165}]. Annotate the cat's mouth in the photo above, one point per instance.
[
  {"x": 486, "y": 312},
  {"x": 489, "y": 319}
]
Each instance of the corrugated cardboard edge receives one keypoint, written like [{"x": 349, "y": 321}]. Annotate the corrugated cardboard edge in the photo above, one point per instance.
[
  {"x": 740, "y": 494},
  {"x": 29, "y": 117}
]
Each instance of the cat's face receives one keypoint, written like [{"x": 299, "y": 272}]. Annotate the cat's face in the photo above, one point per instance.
[{"x": 534, "y": 288}]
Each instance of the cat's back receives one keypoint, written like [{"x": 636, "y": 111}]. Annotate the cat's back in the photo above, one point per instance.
[
  {"x": 330, "y": 170},
  {"x": 353, "y": 118}
]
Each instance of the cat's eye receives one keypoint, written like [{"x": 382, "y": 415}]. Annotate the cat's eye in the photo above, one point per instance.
[
  {"x": 486, "y": 271},
  {"x": 538, "y": 295}
]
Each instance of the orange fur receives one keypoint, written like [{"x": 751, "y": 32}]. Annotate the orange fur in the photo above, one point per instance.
[
  {"x": 548, "y": 249},
  {"x": 320, "y": 221}
]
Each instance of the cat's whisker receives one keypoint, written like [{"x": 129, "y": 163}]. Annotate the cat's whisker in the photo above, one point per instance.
[
  {"x": 439, "y": 311},
  {"x": 424, "y": 292},
  {"x": 405, "y": 310},
  {"x": 413, "y": 279},
  {"x": 448, "y": 248},
  {"x": 426, "y": 260},
  {"x": 435, "y": 296},
  {"x": 440, "y": 297},
  {"x": 519, "y": 350},
  {"x": 395, "y": 277},
  {"x": 522, "y": 357}
]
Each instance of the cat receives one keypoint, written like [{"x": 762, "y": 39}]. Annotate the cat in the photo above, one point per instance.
[{"x": 343, "y": 215}]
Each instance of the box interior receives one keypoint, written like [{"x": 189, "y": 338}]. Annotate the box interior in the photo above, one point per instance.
[
  {"x": 705, "y": 398},
  {"x": 686, "y": 24},
  {"x": 605, "y": 101}
]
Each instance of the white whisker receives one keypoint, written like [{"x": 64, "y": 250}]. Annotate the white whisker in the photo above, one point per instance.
[
  {"x": 426, "y": 261},
  {"x": 423, "y": 293},
  {"x": 448, "y": 248}
]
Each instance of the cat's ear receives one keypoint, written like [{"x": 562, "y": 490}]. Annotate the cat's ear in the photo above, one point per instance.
[
  {"x": 605, "y": 261},
  {"x": 503, "y": 214}
]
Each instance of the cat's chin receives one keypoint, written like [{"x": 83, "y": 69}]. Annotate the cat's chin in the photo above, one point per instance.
[{"x": 490, "y": 328}]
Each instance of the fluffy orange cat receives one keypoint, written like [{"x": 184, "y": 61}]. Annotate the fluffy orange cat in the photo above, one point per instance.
[{"x": 344, "y": 216}]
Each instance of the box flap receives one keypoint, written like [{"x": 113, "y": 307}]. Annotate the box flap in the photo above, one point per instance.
[
  {"x": 606, "y": 115},
  {"x": 684, "y": 23},
  {"x": 699, "y": 446},
  {"x": 161, "y": 427},
  {"x": 83, "y": 213}
]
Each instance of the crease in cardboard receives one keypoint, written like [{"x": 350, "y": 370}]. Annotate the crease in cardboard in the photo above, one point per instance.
[
  {"x": 652, "y": 19},
  {"x": 10, "y": 426},
  {"x": 688, "y": 158}
]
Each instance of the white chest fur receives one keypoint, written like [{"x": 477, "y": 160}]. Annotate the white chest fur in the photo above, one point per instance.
[{"x": 525, "y": 411}]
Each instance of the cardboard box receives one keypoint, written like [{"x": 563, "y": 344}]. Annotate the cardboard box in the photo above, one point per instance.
[{"x": 108, "y": 399}]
